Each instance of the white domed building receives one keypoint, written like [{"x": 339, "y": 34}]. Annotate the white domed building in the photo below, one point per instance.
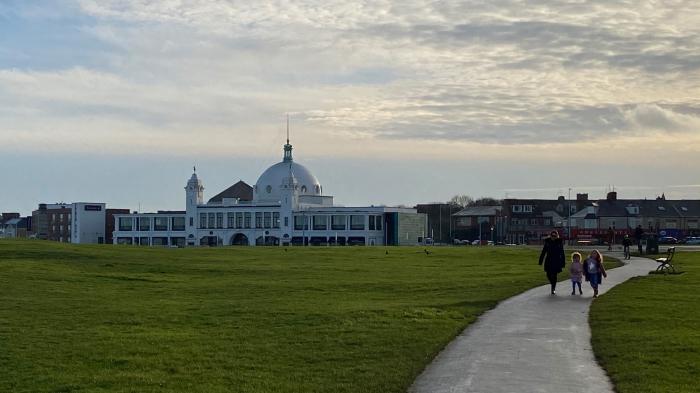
[{"x": 286, "y": 206}]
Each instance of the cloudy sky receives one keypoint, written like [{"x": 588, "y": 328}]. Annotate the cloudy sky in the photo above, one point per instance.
[{"x": 390, "y": 102}]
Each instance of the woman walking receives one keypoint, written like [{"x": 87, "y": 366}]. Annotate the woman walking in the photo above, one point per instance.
[{"x": 553, "y": 257}]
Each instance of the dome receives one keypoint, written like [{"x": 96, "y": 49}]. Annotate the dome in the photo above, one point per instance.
[{"x": 267, "y": 188}]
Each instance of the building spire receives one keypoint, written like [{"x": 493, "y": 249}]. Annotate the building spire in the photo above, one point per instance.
[{"x": 287, "y": 147}]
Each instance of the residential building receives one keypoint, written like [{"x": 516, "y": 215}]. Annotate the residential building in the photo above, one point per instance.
[{"x": 480, "y": 223}]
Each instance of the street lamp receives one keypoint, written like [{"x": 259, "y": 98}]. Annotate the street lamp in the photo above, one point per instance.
[{"x": 568, "y": 221}]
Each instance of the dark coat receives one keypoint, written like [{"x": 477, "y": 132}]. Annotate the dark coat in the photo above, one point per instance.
[{"x": 553, "y": 255}]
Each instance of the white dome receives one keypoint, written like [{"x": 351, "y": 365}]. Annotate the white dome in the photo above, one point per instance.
[{"x": 267, "y": 188}]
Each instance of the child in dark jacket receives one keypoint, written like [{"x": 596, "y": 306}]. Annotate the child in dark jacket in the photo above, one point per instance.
[{"x": 594, "y": 270}]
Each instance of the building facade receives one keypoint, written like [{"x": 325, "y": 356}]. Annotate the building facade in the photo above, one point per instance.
[
  {"x": 440, "y": 223},
  {"x": 53, "y": 222},
  {"x": 288, "y": 207},
  {"x": 482, "y": 223},
  {"x": 79, "y": 222}
]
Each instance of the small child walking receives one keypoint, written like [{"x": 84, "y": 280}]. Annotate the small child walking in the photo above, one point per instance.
[
  {"x": 576, "y": 271},
  {"x": 594, "y": 270}
]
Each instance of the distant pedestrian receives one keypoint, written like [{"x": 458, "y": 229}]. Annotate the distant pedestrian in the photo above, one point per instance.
[
  {"x": 553, "y": 257},
  {"x": 638, "y": 236},
  {"x": 611, "y": 238},
  {"x": 594, "y": 270},
  {"x": 626, "y": 243},
  {"x": 576, "y": 271}
]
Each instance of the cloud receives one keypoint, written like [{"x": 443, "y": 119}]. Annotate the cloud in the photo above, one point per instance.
[
  {"x": 656, "y": 118},
  {"x": 489, "y": 72}
]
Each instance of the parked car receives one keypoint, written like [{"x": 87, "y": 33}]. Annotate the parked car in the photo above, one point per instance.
[
  {"x": 668, "y": 240},
  {"x": 692, "y": 240}
]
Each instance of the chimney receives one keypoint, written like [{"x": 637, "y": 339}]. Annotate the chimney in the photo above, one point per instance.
[{"x": 612, "y": 196}]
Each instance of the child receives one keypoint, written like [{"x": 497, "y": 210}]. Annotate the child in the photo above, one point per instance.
[
  {"x": 594, "y": 270},
  {"x": 576, "y": 271}
]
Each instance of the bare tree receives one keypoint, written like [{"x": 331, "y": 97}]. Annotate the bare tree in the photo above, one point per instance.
[{"x": 461, "y": 200}]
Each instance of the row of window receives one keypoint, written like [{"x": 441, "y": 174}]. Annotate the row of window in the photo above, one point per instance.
[
  {"x": 60, "y": 217},
  {"x": 240, "y": 220},
  {"x": 522, "y": 208},
  {"x": 152, "y": 223},
  {"x": 531, "y": 221},
  {"x": 244, "y": 220},
  {"x": 153, "y": 241},
  {"x": 338, "y": 222}
]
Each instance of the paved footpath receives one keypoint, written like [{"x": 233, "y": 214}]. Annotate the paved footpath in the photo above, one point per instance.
[{"x": 533, "y": 342}]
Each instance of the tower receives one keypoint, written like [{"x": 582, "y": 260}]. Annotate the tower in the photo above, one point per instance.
[
  {"x": 194, "y": 192},
  {"x": 289, "y": 193}
]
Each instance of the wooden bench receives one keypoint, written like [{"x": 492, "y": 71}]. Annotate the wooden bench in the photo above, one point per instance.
[{"x": 665, "y": 264}]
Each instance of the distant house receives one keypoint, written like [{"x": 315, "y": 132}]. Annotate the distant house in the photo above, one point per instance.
[
  {"x": 479, "y": 222},
  {"x": 662, "y": 217},
  {"x": 14, "y": 228}
]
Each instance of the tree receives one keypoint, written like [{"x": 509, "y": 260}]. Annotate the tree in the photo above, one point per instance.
[{"x": 461, "y": 200}]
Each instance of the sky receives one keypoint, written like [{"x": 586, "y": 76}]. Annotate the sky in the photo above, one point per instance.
[{"x": 390, "y": 102}]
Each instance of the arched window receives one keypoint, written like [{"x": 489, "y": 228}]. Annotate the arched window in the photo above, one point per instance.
[
  {"x": 303, "y": 189},
  {"x": 318, "y": 189},
  {"x": 268, "y": 189}
]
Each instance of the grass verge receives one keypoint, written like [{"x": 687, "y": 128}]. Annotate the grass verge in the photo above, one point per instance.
[
  {"x": 646, "y": 330},
  {"x": 118, "y": 319}
]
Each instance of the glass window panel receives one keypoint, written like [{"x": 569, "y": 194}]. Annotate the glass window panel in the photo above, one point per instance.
[
  {"x": 301, "y": 223},
  {"x": 178, "y": 223},
  {"x": 338, "y": 222},
  {"x": 248, "y": 216},
  {"x": 125, "y": 224},
  {"x": 357, "y": 222},
  {"x": 160, "y": 223},
  {"x": 320, "y": 223},
  {"x": 144, "y": 224}
]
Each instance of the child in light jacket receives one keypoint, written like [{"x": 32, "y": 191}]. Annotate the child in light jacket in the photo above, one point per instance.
[{"x": 576, "y": 271}]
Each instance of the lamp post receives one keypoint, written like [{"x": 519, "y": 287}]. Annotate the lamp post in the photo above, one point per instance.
[
  {"x": 568, "y": 221},
  {"x": 480, "y": 225}
]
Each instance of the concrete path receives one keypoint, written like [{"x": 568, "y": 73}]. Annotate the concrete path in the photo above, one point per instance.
[{"x": 533, "y": 342}]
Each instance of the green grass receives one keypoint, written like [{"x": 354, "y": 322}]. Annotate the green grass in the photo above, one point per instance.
[
  {"x": 111, "y": 318},
  {"x": 646, "y": 332}
]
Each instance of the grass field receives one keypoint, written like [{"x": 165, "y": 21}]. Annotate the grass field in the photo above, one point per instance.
[
  {"x": 109, "y": 318},
  {"x": 646, "y": 332}
]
